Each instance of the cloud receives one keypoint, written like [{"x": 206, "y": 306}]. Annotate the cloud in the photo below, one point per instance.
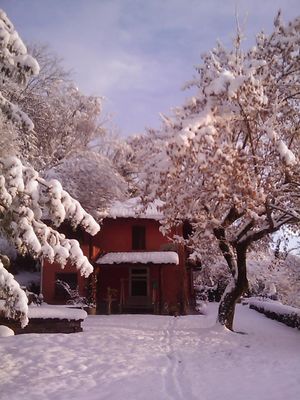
[{"x": 138, "y": 53}]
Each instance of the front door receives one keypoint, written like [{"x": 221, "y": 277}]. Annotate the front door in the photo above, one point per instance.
[{"x": 139, "y": 295}]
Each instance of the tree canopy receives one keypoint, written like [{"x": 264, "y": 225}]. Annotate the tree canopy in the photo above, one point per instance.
[{"x": 228, "y": 159}]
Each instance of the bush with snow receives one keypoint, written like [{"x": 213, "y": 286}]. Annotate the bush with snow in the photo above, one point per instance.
[{"x": 290, "y": 316}]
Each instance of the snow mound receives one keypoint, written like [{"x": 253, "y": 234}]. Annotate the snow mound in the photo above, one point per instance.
[{"x": 5, "y": 331}]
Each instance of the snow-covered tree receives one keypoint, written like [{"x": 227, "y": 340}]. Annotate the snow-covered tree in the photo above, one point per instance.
[
  {"x": 8, "y": 138},
  {"x": 26, "y": 198},
  {"x": 266, "y": 271},
  {"x": 92, "y": 179},
  {"x": 65, "y": 124},
  {"x": 228, "y": 160},
  {"x": 121, "y": 154},
  {"x": 65, "y": 119},
  {"x": 68, "y": 132}
]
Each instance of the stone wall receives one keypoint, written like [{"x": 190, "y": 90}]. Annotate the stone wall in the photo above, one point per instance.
[{"x": 44, "y": 325}]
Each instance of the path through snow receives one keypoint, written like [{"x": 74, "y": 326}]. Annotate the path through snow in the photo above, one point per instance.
[{"x": 143, "y": 357}]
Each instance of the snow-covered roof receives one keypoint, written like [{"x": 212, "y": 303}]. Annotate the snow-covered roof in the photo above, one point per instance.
[
  {"x": 154, "y": 257},
  {"x": 133, "y": 208}
]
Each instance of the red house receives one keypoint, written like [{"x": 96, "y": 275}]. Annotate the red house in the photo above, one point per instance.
[{"x": 136, "y": 268}]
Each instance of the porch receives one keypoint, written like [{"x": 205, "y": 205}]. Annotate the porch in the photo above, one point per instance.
[{"x": 134, "y": 282}]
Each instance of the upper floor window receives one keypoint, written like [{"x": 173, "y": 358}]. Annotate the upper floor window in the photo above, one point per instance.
[{"x": 138, "y": 237}]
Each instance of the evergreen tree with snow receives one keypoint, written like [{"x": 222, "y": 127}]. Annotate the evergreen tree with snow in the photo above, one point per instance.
[{"x": 25, "y": 197}]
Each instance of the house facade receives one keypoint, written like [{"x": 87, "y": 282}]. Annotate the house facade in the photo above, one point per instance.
[{"x": 136, "y": 268}]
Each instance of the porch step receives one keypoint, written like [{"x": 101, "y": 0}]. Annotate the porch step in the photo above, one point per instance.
[{"x": 138, "y": 310}]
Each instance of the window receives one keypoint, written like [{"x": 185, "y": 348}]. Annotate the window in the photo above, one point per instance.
[
  {"x": 70, "y": 279},
  {"x": 138, "y": 237},
  {"x": 139, "y": 282}
]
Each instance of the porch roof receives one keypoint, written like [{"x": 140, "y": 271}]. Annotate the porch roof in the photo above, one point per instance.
[{"x": 145, "y": 257}]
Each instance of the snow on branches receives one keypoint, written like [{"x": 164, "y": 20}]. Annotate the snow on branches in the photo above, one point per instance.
[
  {"x": 105, "y": 183},
  {"x": 15, "y": 303},
  {"x": 16, "y": 65},
  {"x": 228, "y": 160},
  {"x": 235, "y": 145},
  {"x": 26, "y": 199}
]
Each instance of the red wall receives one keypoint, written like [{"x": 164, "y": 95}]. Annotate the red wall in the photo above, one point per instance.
[
  {"x": 48, "y": 281},
  {"x": 115, "y": 235}
]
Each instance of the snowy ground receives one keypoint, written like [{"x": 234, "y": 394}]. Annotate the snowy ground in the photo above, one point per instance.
[{"x": 139, "y": 357}]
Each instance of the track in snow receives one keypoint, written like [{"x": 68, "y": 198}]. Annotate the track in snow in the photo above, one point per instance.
[{"x": 173, "y": 378}]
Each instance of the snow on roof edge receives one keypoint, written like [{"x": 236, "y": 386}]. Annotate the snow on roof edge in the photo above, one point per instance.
[
  {"x": 133, "y": 208},
  {"x": 154, "y": 257}
]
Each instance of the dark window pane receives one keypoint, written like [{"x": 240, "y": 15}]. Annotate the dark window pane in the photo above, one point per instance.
[
  {"x": 139, "y": 287},
  {"x": 138, "y": 237},
  {"x": 139, "y": 282}
]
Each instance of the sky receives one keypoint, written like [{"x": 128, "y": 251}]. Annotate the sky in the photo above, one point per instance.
[{"x": 138, "y": 54}]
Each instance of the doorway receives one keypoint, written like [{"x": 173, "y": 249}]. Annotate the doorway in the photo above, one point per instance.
[{"x": 139, "y": 282}]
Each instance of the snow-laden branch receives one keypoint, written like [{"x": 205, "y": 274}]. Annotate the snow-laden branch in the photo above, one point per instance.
[
  {"x": 25, "y": 198},
  {"x": 15, "y": 299}
]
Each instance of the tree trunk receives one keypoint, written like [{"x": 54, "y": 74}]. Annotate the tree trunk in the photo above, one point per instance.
[{"x": 236, "y": 288}]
